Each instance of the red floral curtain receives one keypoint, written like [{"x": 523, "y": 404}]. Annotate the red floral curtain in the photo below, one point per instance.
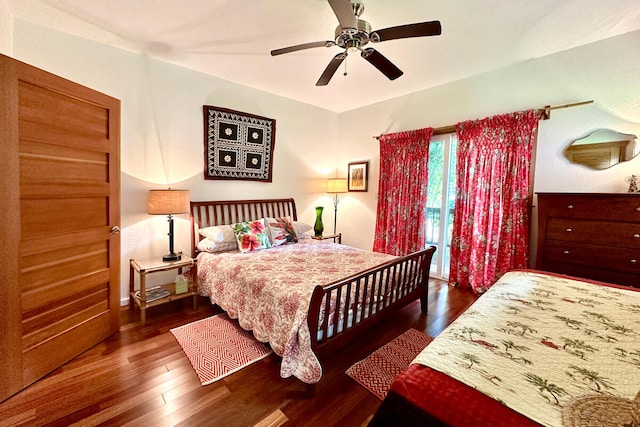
[
  {"x": 491, "y": 216},
  {"x": 402, "y": 189}
]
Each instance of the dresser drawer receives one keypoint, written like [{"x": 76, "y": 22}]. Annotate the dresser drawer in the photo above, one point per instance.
[
  {"x": 612, "y": 258},
  {"x": 594, "y": 273},
  {"x": 623, "y": 234},
  {"x": 605, "y": 207}
]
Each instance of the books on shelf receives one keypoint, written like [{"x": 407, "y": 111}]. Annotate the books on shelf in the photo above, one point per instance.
[{"x": 153, "y": 294}]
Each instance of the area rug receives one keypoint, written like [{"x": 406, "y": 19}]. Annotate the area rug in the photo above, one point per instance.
[
  {"x": 217, "y": 346},
  {"x": 378, "y": 370}
]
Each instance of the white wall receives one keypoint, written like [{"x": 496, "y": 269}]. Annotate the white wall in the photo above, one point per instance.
[
  {"x": 6, "y": 29},
  {"x": 606, "y": 72},
  {"x": 162, "y": 134},
  {"x": 162, "y": 137}
]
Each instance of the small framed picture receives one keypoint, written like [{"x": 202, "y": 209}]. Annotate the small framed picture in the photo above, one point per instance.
[{"x": 358, "y": 176}]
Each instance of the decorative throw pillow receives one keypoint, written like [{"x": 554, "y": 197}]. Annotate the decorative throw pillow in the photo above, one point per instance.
[
  {"x": 281, "y": 231},
  {"x": 221, "y": 233},
  {"x": 206, "y": 245},
  {"x": 252, "y": 235}
]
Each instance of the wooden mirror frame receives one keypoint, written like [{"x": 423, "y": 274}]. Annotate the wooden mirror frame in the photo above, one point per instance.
[{"x": 602, "y": 149}]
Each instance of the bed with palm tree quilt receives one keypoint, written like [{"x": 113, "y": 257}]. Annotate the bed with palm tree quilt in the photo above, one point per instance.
[{"x": 526, "y": 351}]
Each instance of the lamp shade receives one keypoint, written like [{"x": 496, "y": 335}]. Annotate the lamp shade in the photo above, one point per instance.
[
  {"x": 337, "y": 185},
  {"x": 168, "y": 202}
]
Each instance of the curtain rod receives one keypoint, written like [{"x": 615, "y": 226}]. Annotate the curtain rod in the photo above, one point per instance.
[{"x": 546, "y": 115}]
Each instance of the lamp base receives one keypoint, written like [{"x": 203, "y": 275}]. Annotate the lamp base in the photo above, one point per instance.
[{"x": 172, "y": 257}]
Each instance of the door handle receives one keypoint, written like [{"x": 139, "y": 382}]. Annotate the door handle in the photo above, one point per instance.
[{"x": 115, "y": 230}]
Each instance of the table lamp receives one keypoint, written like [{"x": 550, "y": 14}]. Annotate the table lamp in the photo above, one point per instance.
[{"x": 168, "y": 202}]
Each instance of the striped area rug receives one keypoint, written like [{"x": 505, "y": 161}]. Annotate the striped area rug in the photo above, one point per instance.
[
  {"x": 378, "y": 370},
  {"x": 217, "y": 346}
]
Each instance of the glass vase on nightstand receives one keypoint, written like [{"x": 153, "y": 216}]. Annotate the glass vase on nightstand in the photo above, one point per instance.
[{"x": 318, "y": 227}]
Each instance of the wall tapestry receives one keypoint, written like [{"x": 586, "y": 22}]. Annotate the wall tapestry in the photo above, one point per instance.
[{"x": 237, "y": 145}]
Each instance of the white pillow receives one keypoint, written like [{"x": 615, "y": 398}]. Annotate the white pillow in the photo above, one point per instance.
[
  {"x": 301, "y": 228},
  {"x": 220, "y": 233},
  {"x": 207, "y": 245}
]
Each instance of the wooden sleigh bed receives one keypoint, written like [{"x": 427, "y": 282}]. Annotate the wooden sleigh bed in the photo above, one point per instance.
[
  {"x": 536, "y": 349},
  {"x": 328, "y": 307}
]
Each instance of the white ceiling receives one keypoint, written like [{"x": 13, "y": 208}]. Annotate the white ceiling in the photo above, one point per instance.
[{"x": 232, "y": 39}]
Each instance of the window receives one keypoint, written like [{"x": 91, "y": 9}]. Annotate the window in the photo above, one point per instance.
[{"x": 440, "y": 200}]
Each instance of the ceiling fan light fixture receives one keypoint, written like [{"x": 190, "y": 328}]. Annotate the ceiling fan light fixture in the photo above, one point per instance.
[
  {"x": 352, "y": 45},
  {"x": 343, "y": 36},
  {"x": 353, "y": 33}
]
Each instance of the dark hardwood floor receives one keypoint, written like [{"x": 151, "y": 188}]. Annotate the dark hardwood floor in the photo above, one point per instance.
[{"x": 140, "y": 376}]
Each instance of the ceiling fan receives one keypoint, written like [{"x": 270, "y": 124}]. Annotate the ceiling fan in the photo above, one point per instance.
[{"x": 352, "y": 34}]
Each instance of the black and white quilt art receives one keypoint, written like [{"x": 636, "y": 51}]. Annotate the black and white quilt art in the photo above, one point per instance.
[{"x": 238, "y": 145}]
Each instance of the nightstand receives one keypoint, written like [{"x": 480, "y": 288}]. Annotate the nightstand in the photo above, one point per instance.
[
  {"x": 143, "y": 268},
  {"x": 337, "y": 238}
]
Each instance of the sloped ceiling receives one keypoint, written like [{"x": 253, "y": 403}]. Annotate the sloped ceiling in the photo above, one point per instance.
[{"x": 233, "y": 39}]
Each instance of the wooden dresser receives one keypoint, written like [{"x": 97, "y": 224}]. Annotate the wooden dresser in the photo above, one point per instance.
[{"x": 591, "y": 235}]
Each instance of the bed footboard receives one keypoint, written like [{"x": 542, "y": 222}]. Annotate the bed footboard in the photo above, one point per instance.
[{"x": 343, "y": 309}]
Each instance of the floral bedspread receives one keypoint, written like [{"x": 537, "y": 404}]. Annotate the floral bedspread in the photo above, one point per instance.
[
  {"x": 534, "y": 341},
  {"x": 269, "y": 291}
]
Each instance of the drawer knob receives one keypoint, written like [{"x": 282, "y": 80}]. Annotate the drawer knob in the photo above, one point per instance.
[
  {"x": 569, "y": 230},
  {"x": 638, "y": 208},
  {"x": 637, "y": 236},
  {"x": 566, "y": 252},
  {"x": 633, "y": 261},
  {"x": 570, "y": 207}
]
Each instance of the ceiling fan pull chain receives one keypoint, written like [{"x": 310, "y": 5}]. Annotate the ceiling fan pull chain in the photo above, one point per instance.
[{"x": 345, "y": 67}]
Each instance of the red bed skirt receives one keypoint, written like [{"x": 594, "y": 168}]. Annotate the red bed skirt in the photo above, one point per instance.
[{"x": 428, "y": 397}]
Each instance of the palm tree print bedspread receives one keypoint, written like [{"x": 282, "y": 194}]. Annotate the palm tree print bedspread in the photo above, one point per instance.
[{"x": 534, "y": 341}]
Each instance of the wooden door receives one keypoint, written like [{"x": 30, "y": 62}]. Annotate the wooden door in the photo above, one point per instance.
[{"x": 59, "y": 241}]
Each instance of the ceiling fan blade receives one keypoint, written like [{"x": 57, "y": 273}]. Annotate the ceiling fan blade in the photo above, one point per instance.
[
  {"x": 379, "y": 61},
  {"x": 344, "y": 13},
  {"x": 331, "y": 69},
  {"x": 431, "y": 28},
  {"x": 303, "y": 46}
]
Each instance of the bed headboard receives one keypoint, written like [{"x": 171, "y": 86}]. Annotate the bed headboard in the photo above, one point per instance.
[{"x": 221, "y": 212}]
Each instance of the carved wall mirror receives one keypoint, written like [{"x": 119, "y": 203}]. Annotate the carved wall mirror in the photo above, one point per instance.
[{"x": 602, "y": 149}]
